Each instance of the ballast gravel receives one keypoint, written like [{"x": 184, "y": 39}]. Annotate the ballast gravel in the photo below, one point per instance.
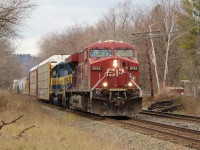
[
  {"x": 129, "y": 139},
  {"x": 168, "y": 121}
]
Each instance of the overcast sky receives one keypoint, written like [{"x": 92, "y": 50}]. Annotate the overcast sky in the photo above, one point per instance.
[{"x": 55, "y": 15}]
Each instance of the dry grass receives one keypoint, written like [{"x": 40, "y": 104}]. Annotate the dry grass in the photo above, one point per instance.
[
  {"x": 189, "y": 106},
  {"x": 54, "y": 129},
  {"x": 4, "y": 99}
]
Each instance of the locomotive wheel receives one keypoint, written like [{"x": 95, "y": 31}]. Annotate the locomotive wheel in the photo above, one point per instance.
[
  {"x": 55, "y": 100},
  {"x": 88, "y": 108},
  {"x": 51, "y": 101},
  {"x": 64, "y": 100}
]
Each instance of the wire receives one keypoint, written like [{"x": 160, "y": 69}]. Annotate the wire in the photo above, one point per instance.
[
  {"x": 180, "y": 29},
  {"x": 157, "y": 32}
]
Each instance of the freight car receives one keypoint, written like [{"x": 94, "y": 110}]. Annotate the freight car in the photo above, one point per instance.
[
  {"x": 102, "y": 79},
  {"x": 19, "y": 86},
  {"x": 16, "y": 86}
]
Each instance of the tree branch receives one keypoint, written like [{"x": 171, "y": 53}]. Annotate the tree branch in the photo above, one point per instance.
[
  {"x": 14, "y": 121},
  {"x": 176, "y": 38},
  {"x": 26, "y": 129}
]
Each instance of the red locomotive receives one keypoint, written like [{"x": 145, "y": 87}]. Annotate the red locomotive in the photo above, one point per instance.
[{"x": 105, "y": 79}]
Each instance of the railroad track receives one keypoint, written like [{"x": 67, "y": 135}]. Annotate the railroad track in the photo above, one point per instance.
[
  {"x": 179, "y": 135},
  {"x": 172, "y": 116}
]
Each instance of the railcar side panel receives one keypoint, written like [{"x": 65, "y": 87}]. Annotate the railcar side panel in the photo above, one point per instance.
[
  {"x": 27, "y": 88},
  {"x": 44, "y": 81},
  {"x": 33, "y": 82}
]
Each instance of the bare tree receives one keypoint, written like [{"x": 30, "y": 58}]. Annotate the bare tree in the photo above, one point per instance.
[
  {"x": 125, "y": 17},
  {"x": 111, "y": 20},
  {"x": 168, "y": 20},
  {"x": 12, "y": 13},
  {"x": 73, "y": 39},
  {"x": 164, "y": 18},
  {"x": 116, "y": 23}
]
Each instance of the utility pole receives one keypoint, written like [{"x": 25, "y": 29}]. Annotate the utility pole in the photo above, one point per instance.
[
  {"x": 148, "y": 37},
  {"x": 150, "y": 68},
  {"x": 140, "y": 35}
]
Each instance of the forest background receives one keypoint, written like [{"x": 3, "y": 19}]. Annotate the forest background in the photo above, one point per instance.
[{"x": 167, "y": 38}]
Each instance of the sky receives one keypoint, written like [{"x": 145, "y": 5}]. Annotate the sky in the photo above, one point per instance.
[{"x": 56, "y": 15}]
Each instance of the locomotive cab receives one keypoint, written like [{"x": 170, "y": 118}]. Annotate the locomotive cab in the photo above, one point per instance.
[{"x": 114, "y": 77}]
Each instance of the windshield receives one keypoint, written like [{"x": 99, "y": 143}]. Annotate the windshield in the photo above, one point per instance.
[
  {"x": 100, "y": 53},
  {"x": 124, "y": 52}
]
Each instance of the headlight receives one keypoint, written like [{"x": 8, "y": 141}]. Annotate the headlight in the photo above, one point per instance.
[
  {"x": 115, "y": 63},
  {"x": 105, "y": 84},
  {"x": 130, "y": 84}
]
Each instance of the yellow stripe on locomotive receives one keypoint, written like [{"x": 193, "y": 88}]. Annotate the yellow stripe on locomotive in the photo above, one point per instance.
[{"x": 61, "y": 80}]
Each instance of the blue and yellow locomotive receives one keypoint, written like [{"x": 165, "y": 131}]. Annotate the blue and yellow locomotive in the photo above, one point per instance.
[{"x": 61, "y": 80}]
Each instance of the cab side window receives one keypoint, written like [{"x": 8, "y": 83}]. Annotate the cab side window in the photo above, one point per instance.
[{"x": 53, "y": 73}]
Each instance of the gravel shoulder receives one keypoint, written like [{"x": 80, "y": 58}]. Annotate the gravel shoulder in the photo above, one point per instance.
[{"x": 129, "y": 139}]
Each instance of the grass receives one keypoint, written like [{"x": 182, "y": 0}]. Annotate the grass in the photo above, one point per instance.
[
  {"x": 54, "y": 129},
  {"x": 190, "y": 106}
]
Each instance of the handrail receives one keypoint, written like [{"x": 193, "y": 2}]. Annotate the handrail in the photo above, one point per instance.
[
  {"x": 98, "y": 82},
  {"x": 136, "y": 86}
]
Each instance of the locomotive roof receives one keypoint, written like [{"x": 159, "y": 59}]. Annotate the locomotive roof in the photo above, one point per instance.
[
  {"x": 110, "y": 44},
  {"x": 59, "y": 64}
]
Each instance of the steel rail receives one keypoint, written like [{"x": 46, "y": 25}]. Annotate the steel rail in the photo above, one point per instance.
[
  {"x": 175, "y": 129},
  {"x": 143, "y": 127},
  {"x": 173, "y": 116}
]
